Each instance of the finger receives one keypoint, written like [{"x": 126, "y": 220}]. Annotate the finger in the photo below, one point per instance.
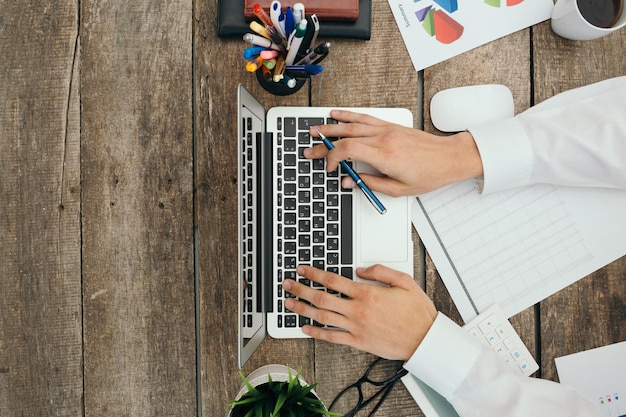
[
  {"x": 333, "y": 336},
  {"x": 316, "y": 297},
  {"x": 386, "y": 275},
  {"x": 326, "y": 317},
  {"x": 348, "y": 116},
  {"x": 345, "y": 130},
  {"x": 385, "y": 185},
  {"x": 316, "y": 152},
  {"x": 328, "y": 280}
]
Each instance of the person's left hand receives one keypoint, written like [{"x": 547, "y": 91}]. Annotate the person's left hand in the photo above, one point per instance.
[{"x": 389, "y": 322}]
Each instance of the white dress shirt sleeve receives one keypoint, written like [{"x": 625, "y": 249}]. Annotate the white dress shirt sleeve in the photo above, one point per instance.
[
  {"x": 576, "y": 138},
  {"x": 478, "y": 383}
]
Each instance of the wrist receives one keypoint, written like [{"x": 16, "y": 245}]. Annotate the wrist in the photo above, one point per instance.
[{"x": 465, "y": 162}]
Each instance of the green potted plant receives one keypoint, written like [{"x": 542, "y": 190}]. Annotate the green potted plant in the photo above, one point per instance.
[{"x": 277, "y": 391}]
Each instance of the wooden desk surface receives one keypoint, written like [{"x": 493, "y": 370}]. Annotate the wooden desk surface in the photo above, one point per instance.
[{"x": 118, "y": 210}]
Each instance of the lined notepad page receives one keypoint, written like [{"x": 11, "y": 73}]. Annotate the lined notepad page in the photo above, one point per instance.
[{"x": 517, "y": 247}]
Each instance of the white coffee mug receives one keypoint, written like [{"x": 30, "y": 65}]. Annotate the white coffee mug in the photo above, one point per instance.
[{"x": 569, "y": 22}]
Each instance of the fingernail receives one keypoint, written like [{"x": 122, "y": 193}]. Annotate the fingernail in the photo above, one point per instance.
[
  {"x": 300, "y": 270},
  {"x": 307, "y": 152},
  {"x": 289, "y": 303},
  {"x": 287, "y": 284},
  {"x": 348, "y": 182}
]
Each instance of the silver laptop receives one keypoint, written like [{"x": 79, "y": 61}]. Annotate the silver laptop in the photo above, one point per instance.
[{"x": 291, "y": 212}]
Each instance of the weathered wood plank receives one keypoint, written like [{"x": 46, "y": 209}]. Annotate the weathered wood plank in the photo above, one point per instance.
[
  {"x": 219, "y": 69},
  {"x": 138, "y": 262},
  {"x": 591, "y": 312},
  {"x": 40, "y": 265},
  {"x": 504, "y": 61}
]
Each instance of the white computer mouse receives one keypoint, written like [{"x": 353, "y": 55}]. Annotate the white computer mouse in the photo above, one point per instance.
[{"x": 457, "y": 109}]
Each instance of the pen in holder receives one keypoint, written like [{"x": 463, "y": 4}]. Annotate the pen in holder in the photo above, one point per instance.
[{"x": 283, "y": 54}]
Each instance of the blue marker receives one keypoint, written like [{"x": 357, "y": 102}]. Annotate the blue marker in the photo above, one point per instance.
[
  {"x": 368, "y": 193},
  {"x": 253, "y": 51}
]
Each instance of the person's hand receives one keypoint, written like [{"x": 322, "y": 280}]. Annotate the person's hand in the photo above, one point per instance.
[
  {"x": 387, "y": 321},
  {"x": 413, "y": 161}
]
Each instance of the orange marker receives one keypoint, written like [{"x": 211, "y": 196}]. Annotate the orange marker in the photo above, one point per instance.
[
  {"x": 261, "y": 15},
  {"x": 267, "y": 73}
]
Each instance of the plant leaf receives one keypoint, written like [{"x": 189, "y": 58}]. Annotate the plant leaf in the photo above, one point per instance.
[
  {"x": 282, "y": 397},
  {"x": 251, "y": 388}
]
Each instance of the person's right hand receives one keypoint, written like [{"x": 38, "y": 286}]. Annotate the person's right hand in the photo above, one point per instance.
[
  {"x": 413, "y": 161},
  {"x": 387, "y": 321}
]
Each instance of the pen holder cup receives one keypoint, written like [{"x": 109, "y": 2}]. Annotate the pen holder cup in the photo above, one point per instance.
[{"x": 279, "y": 88}]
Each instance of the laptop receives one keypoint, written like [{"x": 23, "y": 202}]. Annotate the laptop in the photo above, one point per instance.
[{"x": 291, "y": 212}]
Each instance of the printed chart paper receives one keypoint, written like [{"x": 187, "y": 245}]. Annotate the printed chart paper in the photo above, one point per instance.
[
  {"x": 598, "y": 374},
  {"x": 435, "y": 30},
  {"x": 514, "y": 248}
]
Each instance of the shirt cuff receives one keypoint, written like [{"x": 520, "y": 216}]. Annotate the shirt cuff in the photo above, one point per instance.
[
  {"x": 445, "y": 356},
  {"x": 506, "y": 154}
]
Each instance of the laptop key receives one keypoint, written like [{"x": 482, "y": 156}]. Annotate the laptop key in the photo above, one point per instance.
[
  {"x": 304, "y": 181},
  {"x": 318, "y": 193},
  {"x": 303, "y": 320},
  {"x": 318, "y": 237},
  {"x": 318, "y": 222},
  {"x": 304, "y": 226},
  {"x": 290, "y": 219},
  {"x": 304, "y": 255},
  {"x": 304, "y": 211},
  {"x": 318, "y": 165},
  {"x": 290, "y": 262},
  {"x": 290, "y": 160},
  {"x": 290, "y": 320},
  {"x": 318, "y": 251},
  {"x": 304, "y": 240},
  {"x": 290, "y": 175},
  {"x": 290, "y": 204},
  {"x": 290, "y": 248},
  {"x": 304, "y": 138},
  {"x": 304, "y": 123},
  {"x": 346, "y": 229},
  {"x": 304, "y": 167},
  {"x": 290, "y": 145},
  {"x": 346, "y": 272},
  {"x": 289, "y": 125},
  {"x": 318, "y": 207},
  {"x": 318, "y": 177},
  {"x": 290, "y": 189}
]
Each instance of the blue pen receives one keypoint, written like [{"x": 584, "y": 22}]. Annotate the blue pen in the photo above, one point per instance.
[
  {"x": 368, "y": 193},
  {"x": 290, "y": 21}
]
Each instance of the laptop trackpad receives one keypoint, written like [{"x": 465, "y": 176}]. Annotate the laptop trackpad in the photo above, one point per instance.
[{"x": 383, "y": 237}]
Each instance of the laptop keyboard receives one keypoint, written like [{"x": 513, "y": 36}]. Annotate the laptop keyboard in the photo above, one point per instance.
[{"x": 313, "y": 215}]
